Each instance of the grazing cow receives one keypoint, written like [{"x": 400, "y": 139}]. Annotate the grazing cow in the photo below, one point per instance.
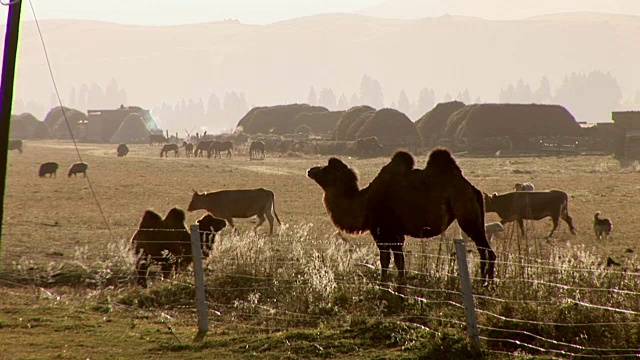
[
  {"x": 15, "y": 145},
  {"x": 153, "y": 243},
  {"x": 530, "y": 205},
  {"x": 50, "y": 168},
  {"x": 368, "y": 147},
  {"x": 78, "y": 168},
  {"x": 188, "y": 148},
  {"x": 202, "y": 147},
  {"x": 524, "y": 187},
  {"x": 256, "y": 147},
  {"x": 219, "y": 146},
  {"x": 208, "y": 227},
  {"x": 169, "y": 147},
  {"x": 601, "y": 226},
  {"x": 122, "y": 150},
  {"x": 244, "y": 203},
  {"x": 157, "y": 139},
  {"x": 490, "y": 229}
]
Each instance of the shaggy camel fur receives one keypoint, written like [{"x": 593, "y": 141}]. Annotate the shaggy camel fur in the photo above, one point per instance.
[{"x": 401, "y": 201}]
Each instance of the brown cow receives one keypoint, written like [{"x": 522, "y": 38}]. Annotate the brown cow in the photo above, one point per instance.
[
  {"x": 530, "y": 205},
  {"x": 78, "y": 168},
  {"x": 255, "y": 148},
  {"x": 243, "y": 203},
  {"x": 50, "y": 168}
]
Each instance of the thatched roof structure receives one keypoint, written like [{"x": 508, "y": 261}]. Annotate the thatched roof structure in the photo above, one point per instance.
[
  {"x": 27, "y": 126},
  {"x": 275, "y": 119},
  {"x": 132, "y": 130},
  {"x": 392, "y": 128},
  {"x": 318, "y": 122},
  {"x": 55, "y": 120},
  {"x": 432, "y": 125},
  {"x": 519, "y": 122},
  {"x": 342, "y": 131}
]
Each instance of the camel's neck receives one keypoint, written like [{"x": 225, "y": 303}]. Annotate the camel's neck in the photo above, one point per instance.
[{"x": 347, "y": 209}]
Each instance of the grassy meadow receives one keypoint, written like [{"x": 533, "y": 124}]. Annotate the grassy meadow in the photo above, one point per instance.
[{"x": 65, "y": 282}]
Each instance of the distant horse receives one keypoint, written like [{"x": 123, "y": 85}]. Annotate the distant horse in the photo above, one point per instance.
[
  {"x": 255, "y": 148},
  {"x": 219, "y": 146},
  {"x": 188, "y": 148},
  {"x": 169, "y": 147}
]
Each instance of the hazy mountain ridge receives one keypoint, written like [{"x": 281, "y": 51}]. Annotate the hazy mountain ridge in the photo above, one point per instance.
[{"x": 277, "y": 63}]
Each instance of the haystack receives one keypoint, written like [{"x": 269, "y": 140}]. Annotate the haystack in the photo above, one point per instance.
[
  {"x": 519, "y": 122},
  {"x": 275, "y": 119},
  {"x": 431, "y": 126},
  {"x": 133, "y": 130},
  {"x": 392, "y": 128},
  {"x": 55, "y": 120},
  {"x": 319, "y": 122},
  {"x": 27, "y": 126},
  {"x": 357, "y": 124},
  {"x": 347, "y": 119}
]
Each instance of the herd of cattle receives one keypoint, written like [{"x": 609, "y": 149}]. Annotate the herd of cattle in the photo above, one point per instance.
[{"x": 172, "y": 249}]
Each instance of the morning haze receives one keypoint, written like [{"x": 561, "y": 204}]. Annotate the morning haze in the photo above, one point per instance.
[{"x": 275, "y": 53}]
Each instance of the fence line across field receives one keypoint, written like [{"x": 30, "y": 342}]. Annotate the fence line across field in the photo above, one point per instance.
[{"x": 286, "y": 315}]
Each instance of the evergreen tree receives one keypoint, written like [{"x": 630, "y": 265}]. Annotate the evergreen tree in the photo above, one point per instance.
[{"x": 312, "y": 98}]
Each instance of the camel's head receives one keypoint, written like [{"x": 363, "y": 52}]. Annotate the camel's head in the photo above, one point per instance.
[{"x": 334, "y": 174}]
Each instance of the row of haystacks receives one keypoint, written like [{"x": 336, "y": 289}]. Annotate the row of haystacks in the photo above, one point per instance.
[
  {"x": 26, "y": 127},
  {"x": 392, "y": 128},
  {"x": 279, "y": 119},
  {"x": 54, "y": 125},
  {"x": 487, "y": 127}
]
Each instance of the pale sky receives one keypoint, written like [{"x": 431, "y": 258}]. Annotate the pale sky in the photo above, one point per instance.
[{"x": 165, "y": 12}]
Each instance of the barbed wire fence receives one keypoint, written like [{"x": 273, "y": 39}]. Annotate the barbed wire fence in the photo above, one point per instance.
[{"x": 545, "y": 300}]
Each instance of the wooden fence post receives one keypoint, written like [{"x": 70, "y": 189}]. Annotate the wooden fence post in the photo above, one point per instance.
[
  {"x": 201, "y": 300},
  {"x": 467, "y": 296}
]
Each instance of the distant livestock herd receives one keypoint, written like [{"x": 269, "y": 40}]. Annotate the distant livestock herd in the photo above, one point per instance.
[{"x": 401, "y": 201}]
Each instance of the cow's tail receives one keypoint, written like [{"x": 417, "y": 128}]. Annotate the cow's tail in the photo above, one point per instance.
[{"x": 273, "y": 205}]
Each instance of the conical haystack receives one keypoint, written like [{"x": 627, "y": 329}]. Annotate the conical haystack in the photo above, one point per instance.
[{"x": 133, "y": 130}]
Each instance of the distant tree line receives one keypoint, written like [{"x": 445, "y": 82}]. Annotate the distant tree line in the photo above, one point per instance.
[{"x": 590, "y": 97}]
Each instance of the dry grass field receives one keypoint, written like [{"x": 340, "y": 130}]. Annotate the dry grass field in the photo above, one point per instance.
[{"x": 304, "y": 293}]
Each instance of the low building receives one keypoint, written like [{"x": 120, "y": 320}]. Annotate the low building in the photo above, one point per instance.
[
  {"x": 628, "y": 122},
  {"x": 101, "y": 125}
]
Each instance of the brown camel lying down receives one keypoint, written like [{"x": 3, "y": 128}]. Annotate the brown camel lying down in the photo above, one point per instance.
[{"x": 401, "y": 201}]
